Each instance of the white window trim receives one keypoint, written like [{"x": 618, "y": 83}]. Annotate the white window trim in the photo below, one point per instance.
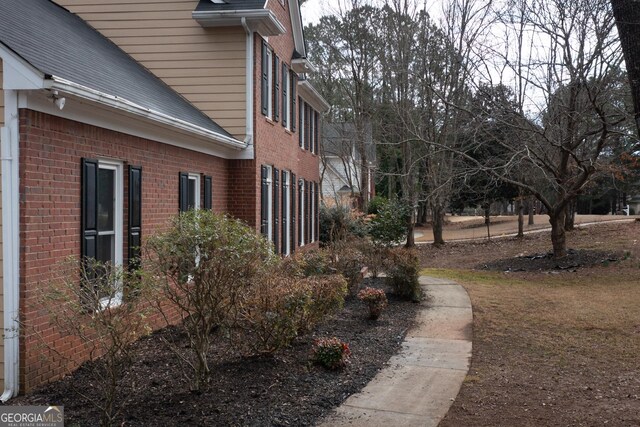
[
  {"x": 270, "y": 203},
  {"x": 312, "y": 194},
  {"x": 302, "y": 212},
  {"x": 270, "y": 83},
  {"x": 196, "y": 200},
  {"x": 286, "y": 207},
  {"x": 287, "y": 86},
  {"x": 118, "y": 181},
  {"x": 302, "y": 123}
]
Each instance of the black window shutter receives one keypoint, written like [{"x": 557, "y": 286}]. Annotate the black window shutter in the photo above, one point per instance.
[
  {"x": 276, "y": 209},
  {"x": 89, "y": 208},
  {"x": 208, "y": 192},
  {"x": 264, "y": 203},
  {"x": 294, "y": 86},
  {"x": 307, "y": 126},
  {"x": 300, "y": 212},
  {"x": 285, "y": 106},
  {"x": 317, "y": 211},
  {"x": 265, "y": 78},
  {"x": 285, "y": 189},
  {"x": 276, "y": 88},
  {"x": 316, "y": 132},
  {"x": 135, "y": 216},
  {"x": 292, "y": 230},
  {"x": 183, "y": 192},
  {"x": 301, "y": 123}
]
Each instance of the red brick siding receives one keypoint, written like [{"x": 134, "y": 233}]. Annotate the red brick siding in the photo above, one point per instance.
[
  {"x": 273, "y": 144},
  {"x": 51, "y": 149}
]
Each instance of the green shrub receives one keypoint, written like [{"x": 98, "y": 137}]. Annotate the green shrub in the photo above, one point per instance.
[
  {"x": 331, "y": 353},
  {"x": 327, "y": 297},
  {"x": 375, "y": 299},
  {"x": 338, "y": 223},
  {"x": 206, "y": 265},
  {"x": 403, "y": 273},
  {"x": 349, "y": 261},
  {"x": 389, "y": 226},
  {"x": 270, "y": 319},
  {"x": 375, "y": 204}
]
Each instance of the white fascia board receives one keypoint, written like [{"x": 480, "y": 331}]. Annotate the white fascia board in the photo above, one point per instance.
[
  {"x": 312, "y": 96},
  {"x": 67, "y": 87},
  {"x": 297, "y": 28},
  {"x": 18, "y": 73},
  {"x": 100, "y": 115},
  {"x": 303, "y": 65},
  {"x": 263, "y": 21}
]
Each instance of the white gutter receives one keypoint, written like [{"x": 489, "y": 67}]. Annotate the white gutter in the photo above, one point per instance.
[
  {"x": 271, "y": 25},
  {"x": 11, "y": 244},
  {"x": 311, "y": 95},
  {"x": 69, "y": 87},
  {"x": 248, "y": 139}
]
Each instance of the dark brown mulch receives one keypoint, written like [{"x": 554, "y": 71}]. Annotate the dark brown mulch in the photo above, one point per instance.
[
  {"x": 546, "y": 262},
  {"x": 282, "y": 390}
]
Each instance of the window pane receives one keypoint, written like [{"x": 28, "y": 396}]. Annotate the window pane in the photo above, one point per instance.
[
  {"x": 105, "y": 248},
  {"x": 192, "y": 194},
  {"x": 106, "y": 199}
]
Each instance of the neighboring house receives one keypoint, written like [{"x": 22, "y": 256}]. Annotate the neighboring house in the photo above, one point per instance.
[
  {"x": 342, "y": 168},
  {"x": 117, "y": 115}
]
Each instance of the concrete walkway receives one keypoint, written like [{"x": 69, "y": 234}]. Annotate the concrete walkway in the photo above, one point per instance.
[{"x": 421, "y": 382}]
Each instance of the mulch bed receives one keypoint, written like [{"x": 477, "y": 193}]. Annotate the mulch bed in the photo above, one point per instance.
[
  {"x": 546, "y": 262},
  {"x": 281, "y": 390}
]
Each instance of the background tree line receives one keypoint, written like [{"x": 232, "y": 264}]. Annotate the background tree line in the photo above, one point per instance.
[{"x": 493, "y": 100}]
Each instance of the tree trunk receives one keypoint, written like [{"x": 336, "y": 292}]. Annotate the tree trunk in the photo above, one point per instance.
[
  {"x": 532, "y": 209},
  {"x": 411, "y": 241},
  {"x": 487, "y": 220},
  {"x": 558, "y": 237},
  {"x": 570, "y": 216},
  {"x": 437, "y": 213},
  {"x": 520, "y": 209}
]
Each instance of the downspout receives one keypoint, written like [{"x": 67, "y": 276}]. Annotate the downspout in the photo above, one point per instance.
[
  {"x": 249, "y": 86},
  {"x": 11, "y": 244}
]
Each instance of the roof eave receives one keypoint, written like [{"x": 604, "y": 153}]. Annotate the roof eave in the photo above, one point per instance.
[
  {"x": 303, "y": 65},
  {"x": 312, "y": 96},
  {"x": 71, "y": 88},
  {"x": 263, "y": 21}
]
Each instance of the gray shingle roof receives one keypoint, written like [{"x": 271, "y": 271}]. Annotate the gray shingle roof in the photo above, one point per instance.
[
  {"x": 59, "y": 43},
  {"x": 339, "y": 139},
  {"x": 209, "y": 6}
]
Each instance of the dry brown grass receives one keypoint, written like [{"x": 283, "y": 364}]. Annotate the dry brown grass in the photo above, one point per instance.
[{"x": 550, "y": 348}]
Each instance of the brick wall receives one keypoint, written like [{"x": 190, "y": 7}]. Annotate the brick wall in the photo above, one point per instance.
[
  {"x": 51, "y": 149},
  {"x": 274, "y": 145}
]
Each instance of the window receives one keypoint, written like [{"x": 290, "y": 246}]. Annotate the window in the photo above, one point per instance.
[
  {"x": 102, "y": 218},
  {"x": 293, "y": 81},
  {"x": 189, "y": 191},
  {"x": 266, "y": 203},
  {"x": 301, "y": 124},
  {"x": 275, "y": 74},
  {"x": 267, "y": 80},
  {"x": 286, "y": 218},
  {"x": 301, "y": 212},
  {"x": 312, "y": 211},
  {"x": 286, "y": 92}
]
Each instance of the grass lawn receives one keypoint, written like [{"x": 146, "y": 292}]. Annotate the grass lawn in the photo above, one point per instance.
[{"x": 554, "y": 347}]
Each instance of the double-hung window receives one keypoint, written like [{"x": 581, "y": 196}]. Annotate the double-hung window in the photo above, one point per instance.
[
  {"x": 286, "y": 97},
  {"x": 301, "y": 212},
  {"x": 102, "y": 219},
  {"x": 189, "y": 196},
  {"x": 286, "y": 218},
  {"x": 266, "y": 202},
  {"x": 267, "y": 80}
]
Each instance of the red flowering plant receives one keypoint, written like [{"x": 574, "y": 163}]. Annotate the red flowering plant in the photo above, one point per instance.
[
  {"x": 331, "y": 353},
  {"x": 375, "y": 299}
]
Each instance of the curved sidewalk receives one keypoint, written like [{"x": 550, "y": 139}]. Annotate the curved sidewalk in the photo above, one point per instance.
[{"x": 421, "y": 382}]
